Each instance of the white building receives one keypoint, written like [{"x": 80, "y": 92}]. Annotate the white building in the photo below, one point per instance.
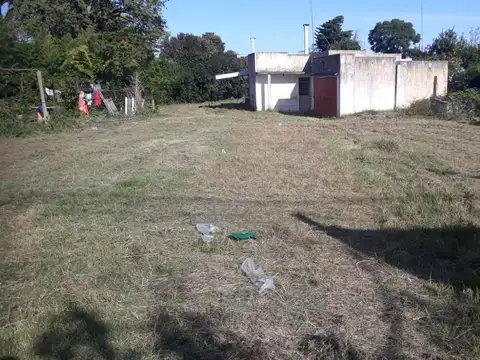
[{"x": 340, "y": 82}]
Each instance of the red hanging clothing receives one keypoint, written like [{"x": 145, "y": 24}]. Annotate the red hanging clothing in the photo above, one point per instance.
[{"x": 96, "y": 98}]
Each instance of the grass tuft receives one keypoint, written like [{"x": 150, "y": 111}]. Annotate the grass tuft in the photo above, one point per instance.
[{"x": 386, "y": 145}]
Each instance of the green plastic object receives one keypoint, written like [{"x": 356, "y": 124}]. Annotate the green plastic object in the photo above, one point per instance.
[{"x": 243, "y": 236}]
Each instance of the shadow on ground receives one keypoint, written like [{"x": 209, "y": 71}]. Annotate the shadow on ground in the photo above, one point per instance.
[
  {"x": 323, "y": 345},
  {"x": 229, "y": 106},
  {"x": 449, "y": 255},
  {"x": 301, "y": 114},
  {"x": 191, "y": 335},
  {"x": 75, "y": 334},
  {"x": 79, "y": 334}
]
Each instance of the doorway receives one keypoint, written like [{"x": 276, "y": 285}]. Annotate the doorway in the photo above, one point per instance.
[
  {"x": 326, "y": 99},
  {"x": 304, "y": 94}
]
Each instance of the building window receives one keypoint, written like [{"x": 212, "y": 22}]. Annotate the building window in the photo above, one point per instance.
[{"x": 304, "y": 86}]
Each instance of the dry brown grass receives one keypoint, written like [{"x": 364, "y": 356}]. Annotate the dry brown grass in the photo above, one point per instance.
[{"x": 369, "y": 226}]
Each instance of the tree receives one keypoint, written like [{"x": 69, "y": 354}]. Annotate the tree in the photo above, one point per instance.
[
  {"x": 393, "y": 37},
  {"x": 446, "y": 44},
  {"x": 187, "y": 48},
  {"x": 107, "y": 41},
  {"x": 60, "y": 17},
  {"x": 330, "y": 35},
  {"x": 198, "y": 59}
]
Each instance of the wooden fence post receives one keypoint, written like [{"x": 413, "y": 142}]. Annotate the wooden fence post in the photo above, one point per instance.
[{"x": 42, "y": 95}]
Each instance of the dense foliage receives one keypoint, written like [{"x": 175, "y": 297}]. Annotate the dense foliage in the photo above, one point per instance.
[
  {"x": 330, "y": 36},
  {"x": 463, "y": 56},
  {"x": 107, "y": 41},
  {"x": 395, "y": 36}
]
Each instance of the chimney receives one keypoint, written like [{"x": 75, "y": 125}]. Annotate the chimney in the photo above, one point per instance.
[
  {"x": 252, "y": 41},
  {"x": 305, "y": 38}
]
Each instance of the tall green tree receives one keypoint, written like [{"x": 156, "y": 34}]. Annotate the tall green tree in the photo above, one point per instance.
[
  {"x": 463, "y": 56},
  {"x": 60, "y": 17},
  {"x": 198, "y": 60},
  {"x": 446, "y": 44},
  {"x": 330, "y": 35},
  {"x": 393, "y": 37}
]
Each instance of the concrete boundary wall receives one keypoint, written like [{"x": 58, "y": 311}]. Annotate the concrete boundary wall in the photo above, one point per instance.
[
  {"x": 417, "y": 80},
  {"x": 384, "y": 82},
  {"x": 374, "y": 83}
]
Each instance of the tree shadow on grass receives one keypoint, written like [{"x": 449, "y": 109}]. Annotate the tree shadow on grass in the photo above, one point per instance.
[
  {"x": 449, "y": 255},
  {"x": 229, "y": 106},
  {"x": 77, "y": 334},
  {"x": 324, "y": 345},
  {"x": 192, "y": 335}
]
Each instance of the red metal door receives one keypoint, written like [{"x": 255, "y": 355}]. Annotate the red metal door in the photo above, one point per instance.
[{"x": 325, "y": 97}]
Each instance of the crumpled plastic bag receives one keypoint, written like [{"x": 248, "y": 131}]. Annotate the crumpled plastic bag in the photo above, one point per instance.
[
  {"x": 257, "y": 276},
  {"x": 207, "y": 231}
]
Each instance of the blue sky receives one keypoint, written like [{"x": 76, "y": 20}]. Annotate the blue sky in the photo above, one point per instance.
[{"x": 277, "y": 24}]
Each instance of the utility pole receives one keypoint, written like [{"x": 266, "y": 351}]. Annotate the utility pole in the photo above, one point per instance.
[{"x": 421, "y": 17}]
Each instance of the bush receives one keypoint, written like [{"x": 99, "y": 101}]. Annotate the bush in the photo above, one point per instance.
[
  {"x": 61, "y": 119},
  {"x": 469, "y": 97},
  {"x": 13, "y": 120},
  {"x": 16, "y": 121},
  {"x": 420, "y": 108}
]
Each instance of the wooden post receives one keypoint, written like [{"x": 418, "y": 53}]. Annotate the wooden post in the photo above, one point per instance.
[
  {"x": 137, "y": 95},
  {"x": 435, "y": 84},
  {"x": 153, "y": 104},
  {"x": 42, "y": 94}
]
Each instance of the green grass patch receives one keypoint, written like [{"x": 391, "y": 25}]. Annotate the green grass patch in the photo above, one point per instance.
[{"x": 386, "y": 145}]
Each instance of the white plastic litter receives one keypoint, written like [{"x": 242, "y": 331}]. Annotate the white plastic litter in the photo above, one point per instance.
[
  {"x": 207, "y": 238},
  {"x": 207, "y": 231},
  {"x": 257, "y": 276}
]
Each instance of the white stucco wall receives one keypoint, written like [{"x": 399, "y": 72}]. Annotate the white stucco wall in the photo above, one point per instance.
[
  {"x": 415, "y": 80},
  {"x": 284, "y": 92},
  {"x": 276, "y": 62},
  {"x": 386, "y": 83},
  {"x": 260, "y": 92},
  {"x": 374, "y": 83},
  {"x": 347, "y": 84},
  {"x": 366, "y": 83}
]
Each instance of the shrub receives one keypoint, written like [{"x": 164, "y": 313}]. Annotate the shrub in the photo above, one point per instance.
[
  {"x": 420, "y": 108},
  {"x": 13, "y": 120},
  {"x": 469, "y": 97}
]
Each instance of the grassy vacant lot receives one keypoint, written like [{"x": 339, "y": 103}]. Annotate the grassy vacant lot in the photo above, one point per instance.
[{"x": 369, "y": 226}]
